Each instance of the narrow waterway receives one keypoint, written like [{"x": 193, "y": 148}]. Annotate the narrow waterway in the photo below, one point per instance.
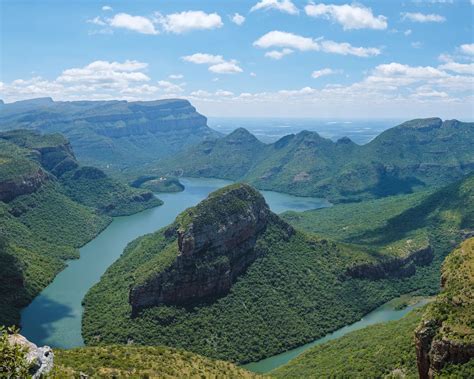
[
  {"x": 384, "y": 313},
  {"x": 54, "y": 316}
]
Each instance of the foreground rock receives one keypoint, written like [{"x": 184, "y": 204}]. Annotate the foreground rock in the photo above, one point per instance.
[
  {"x": 214, "y": 243},
  {"x": 445, "y": 335},
  {"x": 40, "y": 359}
]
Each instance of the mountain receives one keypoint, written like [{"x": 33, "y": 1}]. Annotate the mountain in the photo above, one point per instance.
[
  {"x": 113, "y": 135},
  {"x": 442, "y": 347},
  {"x": 445, "y": 335},
  {"x": 49, "y": 206},
  {"x": 229, "y": 157},
  {"x": 410, "y": 156},
  {"x": 401, "y": 231},
  {"x": 231, "y": 280}
]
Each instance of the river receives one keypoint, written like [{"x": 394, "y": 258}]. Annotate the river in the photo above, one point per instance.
[
  {"x": 384, "y": 313},
  {"x": 54, "y": 316}
]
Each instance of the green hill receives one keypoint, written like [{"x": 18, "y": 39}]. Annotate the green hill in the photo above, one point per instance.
[
  {"x": 390, "y": 349},
  {"x": 174, "y": 288},
  {"x": 405, "y": 158},
  {"x": 113, "y": 135},
  {"x": 49, "y": 207},
  {"x": 141, "y": 362}
]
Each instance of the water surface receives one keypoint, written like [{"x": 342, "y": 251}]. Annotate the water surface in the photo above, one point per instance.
[{"x": 54, "y": 316}]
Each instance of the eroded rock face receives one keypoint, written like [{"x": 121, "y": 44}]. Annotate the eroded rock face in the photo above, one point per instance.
[
  {"x": 216, "y": 242},
  {"x": 40, "y": 359},
  {"x": 396, "y": 267},
  {"x": 445, "y": 335},
  {"x": 24, "y": 185}
]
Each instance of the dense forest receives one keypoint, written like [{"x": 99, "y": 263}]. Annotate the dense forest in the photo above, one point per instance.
[
  {"x": 50, "y": 206},
  {"x": 300, "y": 289}
]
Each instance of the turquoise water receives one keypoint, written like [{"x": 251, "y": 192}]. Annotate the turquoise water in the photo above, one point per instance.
[
  {"x": 54, "y": 316},
  {"x": 384, "y": 313}
]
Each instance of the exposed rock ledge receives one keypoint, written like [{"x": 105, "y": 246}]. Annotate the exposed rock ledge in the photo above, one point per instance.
[
  {"x": 40, "y": 359},
  {"x": 9, "y": 190},
  {"x": 393, "y": 267},
  {"x": 446, "y": 334},
  {"x": 216, "y": 243}
]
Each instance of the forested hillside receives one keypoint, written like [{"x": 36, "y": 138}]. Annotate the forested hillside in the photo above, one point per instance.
[
  {"x": 411, "y": 156},
  {"x": 296, "y": 287},
  {"x": 49, "y": 206}
]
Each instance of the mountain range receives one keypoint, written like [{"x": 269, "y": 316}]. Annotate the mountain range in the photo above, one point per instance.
[
  {"x": 112, "y": 135},
  {"x": 405, "y": 158}
]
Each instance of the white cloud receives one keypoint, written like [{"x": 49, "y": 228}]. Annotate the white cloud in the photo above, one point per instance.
[
  {"x": 230, "y": 67},
  {"x": 345, "y": 48},
  {"x": 106, "y": 8},
  {"x": 253, "y": 74},
  {"x": 286, "y": 40},
  {"x": 183, "y": 22},
  {"x": 292, "y": 41},
  {"x": 203, "y": 58},
  {"x": 176, "y": 76},
  {"x": 135, "y": 23},
  {"x": 97, "y": 21},
  {"x": 285, "y": 6},
  {"x": 224, "y": 93},
  {"x": 349, "y": 16},
  {"x": 323, "y": 72},
  {"x": 278, "y": 54},
  {"x": 460, "y": 68},
  {"x": 467, "y": 48},
  {"x": 170, "y": 87},
  {"x": 217, "y": 64},
  {"x": 416, "y": 45},
  {"x": 107, "y": 73},
  {"x": 421, "y": 17},
  {"x": 407, "y": 32},
  {"x": 238, "y": 19},
  {"x": 200, "y": 93}
]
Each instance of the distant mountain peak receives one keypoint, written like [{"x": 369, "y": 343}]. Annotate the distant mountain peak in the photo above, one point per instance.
[
  {"x": 422, "y": 123},
  {"x": 242, "y": 134}
]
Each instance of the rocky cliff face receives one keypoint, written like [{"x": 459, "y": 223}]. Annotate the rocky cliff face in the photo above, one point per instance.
[
  {"x": 22, "y": 185},
  {"x": 393, "y": 267},
  {"x": 446, "y": 335},
  {"x": 216, "y": 243}
]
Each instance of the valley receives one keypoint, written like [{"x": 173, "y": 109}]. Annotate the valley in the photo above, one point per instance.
[{"x": 215, "y": 269}]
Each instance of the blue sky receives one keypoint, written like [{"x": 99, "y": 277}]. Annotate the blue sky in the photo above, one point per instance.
[{"x": 367, "y": 59}]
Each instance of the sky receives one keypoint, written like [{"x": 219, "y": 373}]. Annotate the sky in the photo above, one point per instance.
[{"x": 259, "y": 58}]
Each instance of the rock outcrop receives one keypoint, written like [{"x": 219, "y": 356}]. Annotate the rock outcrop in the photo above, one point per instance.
[
  {"x": 392, "y": 267},
  {"x": 22, "y": 185},
  {"x": 446, "y": 335},
  {"x": 216, "y": 242},
  {"x": 39, "y": 359}
]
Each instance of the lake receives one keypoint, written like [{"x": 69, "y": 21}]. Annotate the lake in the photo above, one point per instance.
[{"x": 54, "y": 316}]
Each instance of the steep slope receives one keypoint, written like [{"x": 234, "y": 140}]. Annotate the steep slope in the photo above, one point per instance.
[
  {"x": 47, "y": 212},
  {"x": 230, "y": 157},
  {"x": 113, "y": 135},
  {"x": 378, "y": 351},
  {"x": 443, "y": 346},
  {"x": 230, "y": 280},
  {"x": 398, "y": 228},
  {"x": 405, "y": 158},
  {"x": 445, "y": 335}
]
